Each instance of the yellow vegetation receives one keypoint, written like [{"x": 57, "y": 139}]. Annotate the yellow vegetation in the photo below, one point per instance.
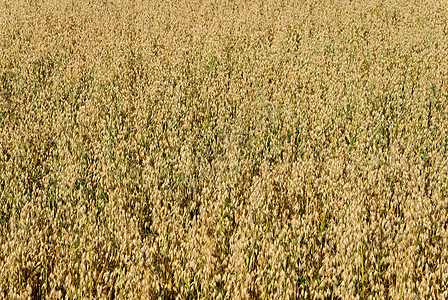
[{"x": 214, "y": 149}]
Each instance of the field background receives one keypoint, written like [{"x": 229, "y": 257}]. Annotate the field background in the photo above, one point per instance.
[{"x": 223, "y": 149}]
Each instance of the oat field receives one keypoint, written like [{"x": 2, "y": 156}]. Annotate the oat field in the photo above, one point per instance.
[{"x": 218, "y": 149}]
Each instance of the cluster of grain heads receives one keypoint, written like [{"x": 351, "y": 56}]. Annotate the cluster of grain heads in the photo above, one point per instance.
[{"x": 215, "y": 149}]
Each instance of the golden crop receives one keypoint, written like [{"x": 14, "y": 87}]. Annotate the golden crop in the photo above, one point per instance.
[{"x": 214, "y": 149}]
